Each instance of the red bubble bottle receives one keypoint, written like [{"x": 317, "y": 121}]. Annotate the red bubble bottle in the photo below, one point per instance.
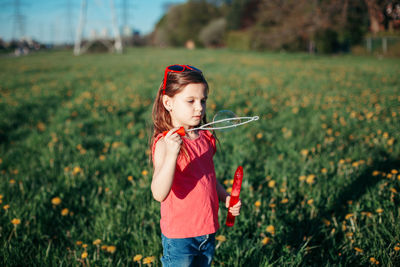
[{"x": 237, "y": 185}]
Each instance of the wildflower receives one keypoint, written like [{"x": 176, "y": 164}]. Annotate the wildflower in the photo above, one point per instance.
[
  {"x": 271, "y": 184},
  {"x": 375, "y": 173},
  {"x": 372, "y": 260},
  {"x": 84, "y": 255},
  {"x": 265, "y": 240},
  {"x": 358, "y": 250},
  {"x": 393, "y": 190},
  {"x": 97, "y": 242},
  {"x": 285, "y": 200},
  {"x": 379, "y": 210},
  {"x": 78, "y": 243},
  {"x": 257, "y": 203},
  {"x": 12, "y": 181},
  {"x": 56, "y": 201},
  {"x": 102, "y": 157},
  {"x": 76, "y": 170},
  {"x": 220, "y": 238},
  {"x": 111, "y": 249},
  {"x": 304, "y": 152},
  {"x": 144, "y": 172},
  {"x": 64, "y": 212},
  {"x": 310, "y": 201},
  {"x": 310, "y": 179},
  {"x": 326, "y": 222},
  {"x": 15, "y": 221},
  {"x": 348, "y": 216},
  {"x": 302, "y": 178},
  {"x": 394, "y": 171},
  {"x": 130, "y": 178},
  {"x": 84, "y": 245},
  {"x": 149, "y": 260},
  {"x": 259, "y": 135},
  {"x": 270, "y": 229},
  {"x": 104, "y": 247},
  {"x": 324, "y": 170},
  {"x": 137, "y": 258}
]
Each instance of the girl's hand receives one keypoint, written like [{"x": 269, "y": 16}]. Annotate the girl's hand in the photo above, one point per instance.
[
  {"x": 173, "y": 142},
  {"x": 235, "y": 210}
]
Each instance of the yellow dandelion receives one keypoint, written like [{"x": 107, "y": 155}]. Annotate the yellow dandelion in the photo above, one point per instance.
[
  {"x": 310, "y": 201},
  {"x": 358, "y": 250},
  {"x": 285, "y": 200},
  {"x": 394, "y": 171},
  {"x": 372, "y": 260},
  {"x": 15, "y": 221},
  {"x": 259, "y": 135},
  {"x": 78, "y": 243},
  {"x": 229, "y": 190},
  {"x": 396, "y": 248},
  {"x": 104, "y": 247},
  {"x": 220, "y": 238},
  {"x": 393, "y": 190},
  {"x": 375, "y": 173},
  {"x": 76, "y": 170},
  {"x": 111, "y": 249},
  {"x": 326, "y": 222},
  {"x": 304, "y": 152},
  {"x": 102, "y": 157},
  {"x": 265, "y": 240},
  {"x": 1, "y": 196},
  {"x": 270, "y": 229},
  {"x": 379, "y": 210},
  {"x": 130, "y": 178},
  {"x": 302, "y": 178},
  {"x": 324, "y": 170},
  {"x": 84, "y": 255},
  {"x": 64, "y": 212},
  {"x": 84, "y": 245},
  {"x": 271, "y": 184},
  {"x": 348, "y": 216},
  {"x": 310, "y": 179},
  {"x": 137, "y": 258},
  {"x": 149, "y": 260},
  {"x": 97, "y": 242},
  {"x": 6, "y": 207},
  {"x": 257, "y": 204},
  {"x": 272, "y": 205},
  {"x": 144, "y": 172},
  {"x": 56, "y": 201},
  {"x": 12, "y": 181}
]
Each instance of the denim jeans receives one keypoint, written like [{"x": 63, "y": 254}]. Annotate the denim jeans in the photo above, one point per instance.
[{"x": 193, "y": 251}]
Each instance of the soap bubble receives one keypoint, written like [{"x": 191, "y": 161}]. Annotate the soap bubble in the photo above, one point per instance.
[{"x": 229, "y": 119}]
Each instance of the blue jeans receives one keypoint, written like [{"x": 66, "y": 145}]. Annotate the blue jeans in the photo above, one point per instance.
[{"x": 193, "y": 251}]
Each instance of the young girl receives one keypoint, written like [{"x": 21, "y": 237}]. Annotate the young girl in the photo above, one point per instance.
[{"x": 184, "y": 177}]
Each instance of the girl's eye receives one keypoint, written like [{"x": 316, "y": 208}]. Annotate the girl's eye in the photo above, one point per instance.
[{"x": 190, "y": 101}]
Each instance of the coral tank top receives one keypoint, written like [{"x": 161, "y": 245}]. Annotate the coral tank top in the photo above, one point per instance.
[{"x": 191, "y": 207}]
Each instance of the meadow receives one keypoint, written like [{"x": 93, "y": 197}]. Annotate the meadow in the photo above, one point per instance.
[{"x": 321, "y": 166}]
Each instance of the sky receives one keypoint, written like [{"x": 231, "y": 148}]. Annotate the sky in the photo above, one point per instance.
[{"x": 48, "y": 21}]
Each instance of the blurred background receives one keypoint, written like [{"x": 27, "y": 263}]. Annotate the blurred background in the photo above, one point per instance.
[{"x": 331, "y": 26}]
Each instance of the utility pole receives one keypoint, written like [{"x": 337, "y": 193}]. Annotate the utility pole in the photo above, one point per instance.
[{"x": 18, "y": 21}]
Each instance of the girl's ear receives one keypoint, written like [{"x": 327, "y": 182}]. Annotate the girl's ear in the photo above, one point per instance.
[{"x": 167, "y": 102}]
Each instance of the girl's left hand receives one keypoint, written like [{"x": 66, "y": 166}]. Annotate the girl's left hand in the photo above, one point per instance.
[{"x": 235, "y": 210}]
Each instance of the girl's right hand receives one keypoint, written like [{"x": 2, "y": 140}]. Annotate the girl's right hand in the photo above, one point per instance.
[{"x": 173, "y": 142}]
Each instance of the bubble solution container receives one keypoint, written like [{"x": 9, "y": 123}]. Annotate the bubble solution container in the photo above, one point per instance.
[{"x": 237, "y": 185}]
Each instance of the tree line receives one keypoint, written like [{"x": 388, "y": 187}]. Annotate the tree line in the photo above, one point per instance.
[{"x": 325, "y": 26}]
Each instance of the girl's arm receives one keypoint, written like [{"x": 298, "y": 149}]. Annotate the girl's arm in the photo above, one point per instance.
[
  {"x": 225, "y": 197},
  {"x": 165, "y": 156}
]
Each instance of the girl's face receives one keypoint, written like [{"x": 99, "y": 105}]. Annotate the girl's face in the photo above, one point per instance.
[{"x": 187, "y": 108}]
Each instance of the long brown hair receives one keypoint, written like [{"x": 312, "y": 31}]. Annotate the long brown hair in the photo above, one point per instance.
[{"x": 175, "y": 83}]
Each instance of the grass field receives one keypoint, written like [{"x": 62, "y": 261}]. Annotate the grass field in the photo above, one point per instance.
[{"x": 321, "y": 166}]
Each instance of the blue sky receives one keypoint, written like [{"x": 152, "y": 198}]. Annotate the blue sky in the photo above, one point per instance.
[{"x": 47, "y": 20}]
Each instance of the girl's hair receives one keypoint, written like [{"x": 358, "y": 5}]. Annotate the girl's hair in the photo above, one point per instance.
[{"x": 175, "y": 83}]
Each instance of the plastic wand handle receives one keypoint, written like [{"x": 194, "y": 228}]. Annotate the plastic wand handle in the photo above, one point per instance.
[
  {"x": 237, "y": 185},
  {"x": 180, "y": 131}
]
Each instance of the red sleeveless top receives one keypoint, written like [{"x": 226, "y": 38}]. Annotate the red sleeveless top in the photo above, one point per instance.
[{"x": 191, "y": 207}]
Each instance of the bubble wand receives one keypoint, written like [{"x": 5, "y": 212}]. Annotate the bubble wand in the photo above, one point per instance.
[
  {"x": 218, "y": 124},
  {"x": 235, "y": 193}
]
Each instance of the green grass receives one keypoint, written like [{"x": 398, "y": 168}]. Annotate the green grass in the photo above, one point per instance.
[{"x": 321, "y": 163}]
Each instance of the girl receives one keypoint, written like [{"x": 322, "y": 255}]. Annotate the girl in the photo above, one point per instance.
[{"x": 184, "y": 177}]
